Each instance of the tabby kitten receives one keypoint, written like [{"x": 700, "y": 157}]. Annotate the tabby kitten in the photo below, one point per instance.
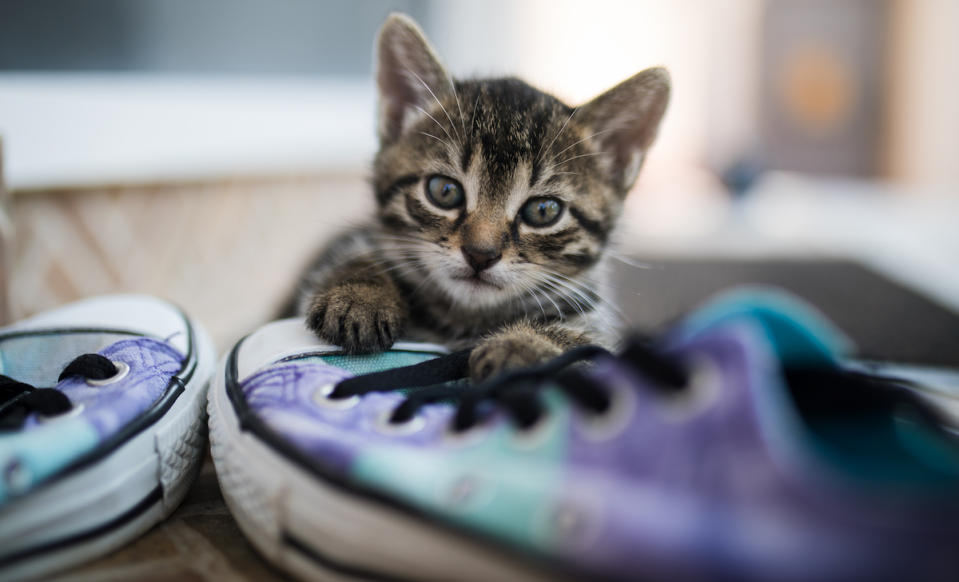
[{"x": 495, "y": 203}]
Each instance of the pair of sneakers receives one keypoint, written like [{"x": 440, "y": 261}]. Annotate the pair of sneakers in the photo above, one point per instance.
[{"x": 743, "y": 444}]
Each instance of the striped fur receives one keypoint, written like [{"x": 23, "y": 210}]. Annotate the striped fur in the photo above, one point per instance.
[{"x": 504, "y": 143}]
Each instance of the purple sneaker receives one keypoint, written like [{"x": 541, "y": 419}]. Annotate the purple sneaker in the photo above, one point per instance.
[
  {"x": 735, "y": 447},
  {"x": 111, "y": 449}
]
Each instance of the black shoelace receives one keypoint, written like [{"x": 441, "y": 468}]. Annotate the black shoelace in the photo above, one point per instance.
[
  {"x": 18, "y": 399},
  {"x": 517, "y": 391},
  {"x": 815, "y": 392}
]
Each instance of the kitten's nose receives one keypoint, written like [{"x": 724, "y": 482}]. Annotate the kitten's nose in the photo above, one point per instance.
[{"x": 481, "y": 258}]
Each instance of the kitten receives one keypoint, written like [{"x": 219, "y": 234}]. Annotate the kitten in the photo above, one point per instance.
[{"x": 495, "y": 203}]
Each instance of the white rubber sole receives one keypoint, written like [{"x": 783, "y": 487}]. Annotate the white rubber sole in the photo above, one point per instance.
[
  {"x": 101, "y": 507},
  {"x": 317, "y": 530}
]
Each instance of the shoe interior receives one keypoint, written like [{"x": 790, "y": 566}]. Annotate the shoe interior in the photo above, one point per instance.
[{"x": 875, "y": 430}]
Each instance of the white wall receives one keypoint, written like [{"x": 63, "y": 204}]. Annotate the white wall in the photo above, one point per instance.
[
  {"x": 923, "y": 121},
  {"x": 70, "y": 130}
]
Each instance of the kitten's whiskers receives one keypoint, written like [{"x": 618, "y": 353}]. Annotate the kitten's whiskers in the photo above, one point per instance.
[
  {"x": 426, "y": 113},
  {"x": 575, "y": 143},
  {"x": 549, "y": 297},
  {"x": 595, "y": 298},
  {"x": 475, "y": 103},
  {"x": 626, "y": 260},
  {"x": 545, "y": 280},
  {"x": 453, "y": 125},
  {"x": 588, "y": 297},
  {"x": 555, "y": 137},
  {"x": 529, "y": 288},
  {"x": 457, "y": 97},
  {"x": 439, "y": 139},
  {"x": 569, "y": 159}
]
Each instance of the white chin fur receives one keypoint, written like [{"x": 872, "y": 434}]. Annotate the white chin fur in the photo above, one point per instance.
[{"x": 470, "y": 295}]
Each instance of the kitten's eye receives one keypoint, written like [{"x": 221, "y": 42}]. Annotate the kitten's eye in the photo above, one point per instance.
[
  {"x": 541, "y": 211},
  {"x": 444, "y": 192}
]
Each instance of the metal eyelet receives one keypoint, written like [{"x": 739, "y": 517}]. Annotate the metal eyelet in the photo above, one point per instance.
[
  {"x": 322, "y": 398},
  {"x": 122, "y": 370},
  {"x": 17, "y": 476},
  {"x": 407, "y": 427},
  {"x": 532, "y": 437},
  {"x": 74, "y": 411},
  {"x": 700, "y": 393},
  {"x": 469, "y": 437},
  {"x": 603, "y": 426}
]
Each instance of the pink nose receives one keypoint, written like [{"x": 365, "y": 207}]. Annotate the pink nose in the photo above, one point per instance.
[{"x": 481, "y": 258}]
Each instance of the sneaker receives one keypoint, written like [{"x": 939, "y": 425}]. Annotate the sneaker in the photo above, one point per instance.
[
  {"x": 737, "y": 446},
  {"x": 111, "y": 449}
]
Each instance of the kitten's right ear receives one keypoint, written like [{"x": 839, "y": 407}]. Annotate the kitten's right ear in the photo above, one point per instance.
[
  {"x": 625, "y": 120},
  {"x": 409, "y": 75}
]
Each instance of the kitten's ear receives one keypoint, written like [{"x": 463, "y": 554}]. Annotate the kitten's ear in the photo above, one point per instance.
[
  {"x": 408, "y": 73},
  {"x": 625, "y": 119}
]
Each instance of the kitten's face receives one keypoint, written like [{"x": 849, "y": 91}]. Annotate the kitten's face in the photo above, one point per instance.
[
  {"x": 504, "y": 196},
  {"x": 492, "y": 191}
]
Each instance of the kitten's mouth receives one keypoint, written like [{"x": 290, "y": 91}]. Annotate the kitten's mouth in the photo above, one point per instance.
[{"x": 477, "y": 281}]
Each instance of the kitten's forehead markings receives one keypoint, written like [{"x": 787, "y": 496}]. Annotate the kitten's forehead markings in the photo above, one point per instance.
[
  {"x": 451, "y": 155},
  {"x": 471, "y": 179},
  {"x": 519, "y": 189}
]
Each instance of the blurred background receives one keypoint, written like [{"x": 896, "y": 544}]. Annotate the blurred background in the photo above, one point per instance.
[{"x": 203, "y": 150}]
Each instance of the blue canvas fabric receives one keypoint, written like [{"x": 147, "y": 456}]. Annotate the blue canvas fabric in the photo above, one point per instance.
[{"x": 44, "y": 447}]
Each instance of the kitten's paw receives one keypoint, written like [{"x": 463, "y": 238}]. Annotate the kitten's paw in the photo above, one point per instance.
[
  {"x": 507, "y": 350},
  {"x": 360, "y": 318}
]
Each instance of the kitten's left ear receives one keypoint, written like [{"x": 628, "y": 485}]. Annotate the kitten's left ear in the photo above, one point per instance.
[
  {"x": 625, "y": 120},
  {"x": 409, "y": 76}
]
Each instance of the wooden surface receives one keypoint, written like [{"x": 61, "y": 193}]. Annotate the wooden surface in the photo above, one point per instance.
[
  {"x": 199, "y": 542},
  {"x": 227, "y": 251}
]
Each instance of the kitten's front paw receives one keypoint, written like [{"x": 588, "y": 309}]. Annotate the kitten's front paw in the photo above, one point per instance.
[
  {"x": 510, "y": 349},
  {"x": 359, "y": 317}
]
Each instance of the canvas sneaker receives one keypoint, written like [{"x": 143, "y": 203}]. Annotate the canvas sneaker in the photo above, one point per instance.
[
  {"x": 102, "y": 426},
  {"x": 738, "y": 446}
]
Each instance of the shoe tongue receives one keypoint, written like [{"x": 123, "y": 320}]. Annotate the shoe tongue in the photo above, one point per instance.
[
  {"x": 821, "y": 416},
  {"x": 799, "y": 335}
]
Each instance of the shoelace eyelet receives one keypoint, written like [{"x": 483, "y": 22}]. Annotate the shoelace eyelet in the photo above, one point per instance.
[
  {"x": 322, "y": 398},
  {"x": 122, "y": 370},
  {"x": 700, "y": 393},
  {"x": 610, "y": 423},
  {"x": 465, "y": 438},
  {"x": 384, "y": 425},
  {"x": 75, "y": 410},
  {"x": 534, "y": 436}
]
